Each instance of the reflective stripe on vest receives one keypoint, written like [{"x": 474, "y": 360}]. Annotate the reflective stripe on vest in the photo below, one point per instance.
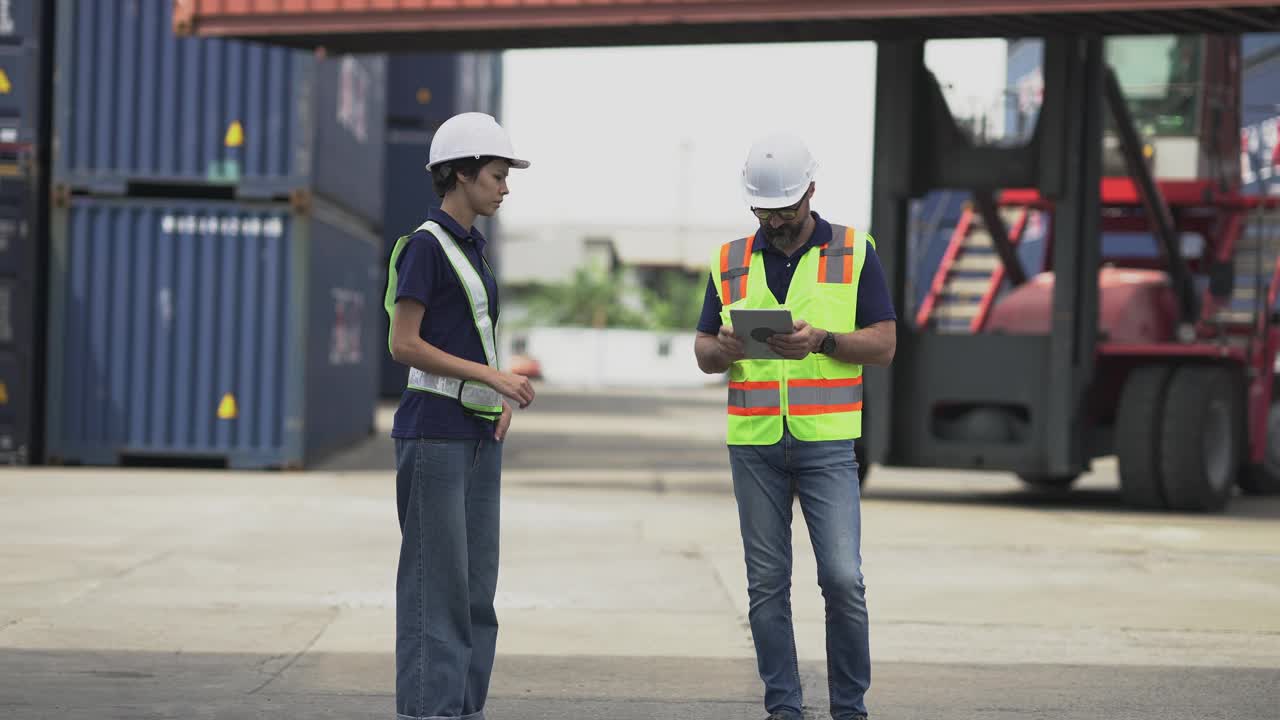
[
  {"x": 755, "y": 398},
  {"x": 735, "y": 263},
  {"x": 835, "y": 262},
  {"x": 819, "y": 397},
  {"x": 468, "y": 393}
]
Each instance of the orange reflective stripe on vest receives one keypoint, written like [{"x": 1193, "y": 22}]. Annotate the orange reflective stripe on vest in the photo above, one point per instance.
[
  {"x": 835, "y": 263},
  {"x": 820, "y": 397},
  {"x": 735, "y": 263},
  {"x": 755, "y": 398}
]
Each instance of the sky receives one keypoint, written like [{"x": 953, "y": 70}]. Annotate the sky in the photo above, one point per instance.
[{"x": 657, "y": 135}]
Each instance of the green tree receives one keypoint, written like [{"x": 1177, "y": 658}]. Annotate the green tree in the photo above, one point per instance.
[
  {"x": 588, "y": 299},
  {"x": 675, "y": 303}
]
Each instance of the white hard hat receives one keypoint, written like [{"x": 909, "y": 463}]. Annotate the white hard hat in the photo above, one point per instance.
[
  {"x": 778, "y": 171},
  {"x": 472, "y": 135}
]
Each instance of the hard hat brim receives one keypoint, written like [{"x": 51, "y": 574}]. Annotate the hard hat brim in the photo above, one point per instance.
[
  {"x": 515, "y": 162},
  {"x": 774, "y": 203}
]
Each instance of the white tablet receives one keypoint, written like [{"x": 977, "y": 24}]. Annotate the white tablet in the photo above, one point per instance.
[{"x": 755, "y": 326}]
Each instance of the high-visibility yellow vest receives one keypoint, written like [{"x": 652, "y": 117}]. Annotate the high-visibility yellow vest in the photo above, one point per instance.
[
  {"x": 819, "y": 397},
  {"x": 476, "y": 397}
]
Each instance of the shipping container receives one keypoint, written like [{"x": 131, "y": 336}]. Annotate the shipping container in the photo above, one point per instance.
[
  {"x": 1256, "y": 45},
  {"x": 210, "y": 332},
  {"x": 20, "y": 321},
  {"x": 24, "y": 47},
  {"x": 21, "y": 21},
  {"x": 425, "y": 89},
  {"x": 1260, "y": 115},
  {"x": 408, "y": 199},
  {"x": 387, "y": 25},
  {"x": 26, "y": 31},
  {"x": 139, "y": 111},
  {"x": 1025, "y": 91}
]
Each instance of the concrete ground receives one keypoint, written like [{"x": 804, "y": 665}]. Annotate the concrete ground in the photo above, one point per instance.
[{"x": 205, "y": 594}]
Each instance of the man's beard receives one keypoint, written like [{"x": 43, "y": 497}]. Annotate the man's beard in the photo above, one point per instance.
[{"x": 782, "y": 236}]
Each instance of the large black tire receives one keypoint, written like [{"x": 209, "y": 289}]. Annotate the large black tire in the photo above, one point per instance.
[
  {"x": 1202, "y": 438},
  {"x": 1138, "y": 436},
  {"x": 1048, "y": 482},
  {"x": 1264, "y": 478}
]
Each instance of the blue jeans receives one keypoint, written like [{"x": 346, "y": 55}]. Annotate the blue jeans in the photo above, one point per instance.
[
  {"x": 447, "y": 493},
  {"x": 825, "y": 476}
]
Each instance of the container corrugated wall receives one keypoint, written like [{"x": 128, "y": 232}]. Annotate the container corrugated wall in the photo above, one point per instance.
[
  {"x": 186, "y": 330},
  {"x": 138, "y": 106}
]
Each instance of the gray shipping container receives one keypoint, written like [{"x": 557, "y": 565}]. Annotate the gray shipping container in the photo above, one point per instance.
[
  {"x": 139, "y": 111},
  {"x": 223, "y": 333}
]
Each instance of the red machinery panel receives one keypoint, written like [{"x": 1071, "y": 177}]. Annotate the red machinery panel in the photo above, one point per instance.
[{"x": 1137, "y": 307}]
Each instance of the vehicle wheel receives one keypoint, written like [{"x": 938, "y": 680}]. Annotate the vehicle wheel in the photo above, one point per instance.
[
  {"x": 1264, "y": 478},
  {"x": 1048, "y": 482},
  {"x": 1202, "y": 438},
  {"x": 1137, "y": 436}
]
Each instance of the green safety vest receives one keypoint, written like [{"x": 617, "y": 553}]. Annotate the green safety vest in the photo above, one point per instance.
[
  {"x": 474, "y": 396},
  {"x": 819, "y": 397}
]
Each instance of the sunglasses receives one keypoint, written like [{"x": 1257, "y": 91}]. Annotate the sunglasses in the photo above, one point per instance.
[{"x": 787, "y": 214}]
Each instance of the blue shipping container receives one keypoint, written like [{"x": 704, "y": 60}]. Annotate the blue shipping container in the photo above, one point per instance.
[
  {"x": 25, "y": 53},
  {"x": 20, "y": 359},
  {"x": 425, "y": 89},
  {"x": 135, "y": 105},
  {"x": 1025, "y": 78},
  {"x": 1260, "y": 115},
  {"x": 409, "y": 198},
  {"x": 238, "y": 334},
  {"x": 1256, "y": 45},
  {"x": 20, "y": 20}
]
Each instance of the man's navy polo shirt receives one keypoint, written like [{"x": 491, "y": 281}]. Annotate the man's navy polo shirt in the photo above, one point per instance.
[
  {"x": 874, "y": 303},
  {"x": 425, "y": 275}
]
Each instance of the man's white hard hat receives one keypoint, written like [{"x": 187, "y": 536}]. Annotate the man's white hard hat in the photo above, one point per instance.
[
  {"x": 472, "y": 135},
  {"x": 778, "y": 171}
]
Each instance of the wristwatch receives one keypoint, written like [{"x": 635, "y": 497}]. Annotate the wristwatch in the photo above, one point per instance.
[{"x": 828, "y": 345}]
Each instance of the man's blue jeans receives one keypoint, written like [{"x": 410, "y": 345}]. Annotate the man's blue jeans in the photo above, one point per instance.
[
  {"x": 825, "y": 477},
  {"x": 447, "y": 492}
]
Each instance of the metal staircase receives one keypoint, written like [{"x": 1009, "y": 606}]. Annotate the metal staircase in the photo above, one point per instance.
[
  {"x": 1255, "y": 264},
  {"x": 970, "y": 275}
]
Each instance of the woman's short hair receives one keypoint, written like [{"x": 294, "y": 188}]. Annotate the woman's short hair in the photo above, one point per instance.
[{"x": 445, "y": 175}]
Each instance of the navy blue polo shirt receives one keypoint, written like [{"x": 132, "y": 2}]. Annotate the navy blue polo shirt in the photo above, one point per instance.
[
  {"x": 425, "y": 275},
  {"x": 874, "y": 302}
]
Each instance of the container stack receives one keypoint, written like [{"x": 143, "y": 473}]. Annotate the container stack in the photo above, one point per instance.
[
  {"x": 216, "y": 243},
  {"x": 424, "y": 90},
  {"x": 25, "y": 47}
]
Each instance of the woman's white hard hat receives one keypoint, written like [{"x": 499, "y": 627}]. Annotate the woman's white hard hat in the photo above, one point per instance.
[
  {"x": 472, "y": 135},
  {"x": 778, "y": 171}
]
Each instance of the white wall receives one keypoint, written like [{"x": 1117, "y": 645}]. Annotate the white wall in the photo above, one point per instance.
[{"x": 586, "y": 357}]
